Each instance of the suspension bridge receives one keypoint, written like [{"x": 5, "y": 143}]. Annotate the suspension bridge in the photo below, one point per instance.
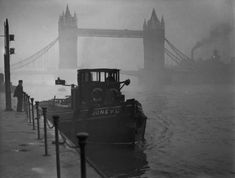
[{"x": 39, "y": 65}]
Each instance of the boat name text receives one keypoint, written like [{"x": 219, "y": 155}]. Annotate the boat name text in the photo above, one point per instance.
[{"x": 106, "y": 111}]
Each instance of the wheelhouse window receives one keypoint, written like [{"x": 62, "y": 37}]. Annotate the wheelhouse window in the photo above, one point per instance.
[
  {"x": 87, "y": 77},
  {"x": 98, "y": 75},
  {"x": 102, "y": 76},
  {"x": 95, "y": 76}
]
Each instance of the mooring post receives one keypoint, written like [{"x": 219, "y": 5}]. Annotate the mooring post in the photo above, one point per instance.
[
  {"x": 44, "y": 112},
  {"x": 25, "y": 105},
  {"x": 72, "y": 96},
  {"x": 82, "y": 137},
  {"x": 38, "y": 117},
  {"x": 24, "y": 100},
  {"x": 56, "y": 123},
  {"x": 32, "y": 107},
  {"x": 29, "y": 109},
  {"x": 8, "y": 51}
]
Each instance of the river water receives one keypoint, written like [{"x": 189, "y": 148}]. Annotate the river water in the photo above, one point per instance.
[{"x": 190, "y": 133}]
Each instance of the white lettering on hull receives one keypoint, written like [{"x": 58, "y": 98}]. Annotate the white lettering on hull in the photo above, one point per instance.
[{"x": 106, "y": 111}]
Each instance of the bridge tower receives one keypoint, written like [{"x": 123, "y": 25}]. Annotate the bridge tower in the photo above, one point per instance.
[
  {"x": 153, "y": 39},
  {"x": 67, "y": 27}
]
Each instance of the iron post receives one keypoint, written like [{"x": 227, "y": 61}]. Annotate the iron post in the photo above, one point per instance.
[
  {"x": 56, "y": 123},
  {"x": 26, "y": 104},
  {"x": 25, "y": 109},
  {"x": 29, "y": 109},
  {"x": 82, "y": 137},
  {"x": 32, "y": 107},
  {"x": 72, "y": 93},
  {"x": 7, "y": 67},
  {"x": 38, "y": 117},
  {"x": 44, "y": 112},
  {"x": 24, "y": 100}
]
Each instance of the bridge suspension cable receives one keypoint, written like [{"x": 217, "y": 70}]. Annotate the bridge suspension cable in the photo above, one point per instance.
[
  {"x": 172, "y": 56},
  {"x": 184, "y": 58},
  {"x": 177, "y": 56},
  {"x": 34, "y": 57},
  {"x": 177, "y": 60}
]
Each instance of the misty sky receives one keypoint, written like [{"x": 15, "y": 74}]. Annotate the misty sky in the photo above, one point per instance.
[{"x": 34, "y": 23}]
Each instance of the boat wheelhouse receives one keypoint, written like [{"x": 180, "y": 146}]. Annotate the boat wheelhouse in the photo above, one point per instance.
[{"x": 98, "y": 107}]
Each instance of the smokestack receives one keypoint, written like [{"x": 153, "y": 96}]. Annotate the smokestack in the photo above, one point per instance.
[{"x": 197, "y": 45}]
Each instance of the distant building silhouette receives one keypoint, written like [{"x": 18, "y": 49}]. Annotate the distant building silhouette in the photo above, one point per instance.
[
  {"x": 67, "y": 40},
  {"x": 154, "y": 46},
  {"x": 154, "y": 36}
]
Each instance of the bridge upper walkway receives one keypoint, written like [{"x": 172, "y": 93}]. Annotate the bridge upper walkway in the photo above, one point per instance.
[{"x": 87, "y": 32}]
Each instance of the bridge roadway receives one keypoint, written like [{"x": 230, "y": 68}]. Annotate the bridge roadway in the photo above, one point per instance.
[
  {"x": 125, "y": 72},
  {"x": 53, "y": 72},
  {"x": 86, "y": 32}
]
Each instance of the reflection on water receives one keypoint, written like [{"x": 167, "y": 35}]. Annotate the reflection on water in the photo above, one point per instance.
[
  {"x": 118, "y": 161},
  {"x": 190, "y": 131}
]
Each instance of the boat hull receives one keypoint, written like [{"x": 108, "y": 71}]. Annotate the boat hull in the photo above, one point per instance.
[{"x": 122, "y": 124}]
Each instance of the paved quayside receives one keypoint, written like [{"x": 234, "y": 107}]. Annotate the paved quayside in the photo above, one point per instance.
[{"x": 21, "y": 153}]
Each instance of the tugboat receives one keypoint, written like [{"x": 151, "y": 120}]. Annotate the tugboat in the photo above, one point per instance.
[{"x": 98, "y": 107}]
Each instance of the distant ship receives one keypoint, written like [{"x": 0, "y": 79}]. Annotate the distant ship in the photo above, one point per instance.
[{"x": 210, "y": 71}]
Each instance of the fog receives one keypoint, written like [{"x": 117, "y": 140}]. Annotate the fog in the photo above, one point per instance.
[
  {"x": 190, "y": 110},
  {"x": 34, "y": 24}
]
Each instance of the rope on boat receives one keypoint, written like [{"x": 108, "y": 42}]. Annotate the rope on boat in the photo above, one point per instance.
[
  {"x": 50, "y": 125},
  {"x": 114, "y": 143},
  {"x": 66, "y": 142}
]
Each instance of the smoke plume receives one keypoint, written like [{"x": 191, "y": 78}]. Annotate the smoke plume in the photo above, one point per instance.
[{"x": 220, "y": 32}]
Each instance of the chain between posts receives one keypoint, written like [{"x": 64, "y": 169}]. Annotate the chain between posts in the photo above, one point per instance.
[{"x": 81, "y": 140}]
